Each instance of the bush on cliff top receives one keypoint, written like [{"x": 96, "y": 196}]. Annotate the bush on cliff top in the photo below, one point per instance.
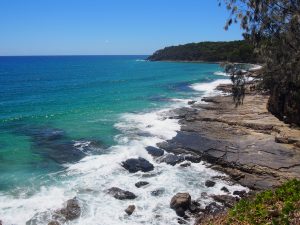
[{"x": 278, "y": 207}]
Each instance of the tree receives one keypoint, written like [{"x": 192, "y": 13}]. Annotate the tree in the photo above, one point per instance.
[{"x": 274, "y": 28}]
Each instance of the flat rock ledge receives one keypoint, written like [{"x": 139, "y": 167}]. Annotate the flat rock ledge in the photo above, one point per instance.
[{"x": 248, "y": 143}]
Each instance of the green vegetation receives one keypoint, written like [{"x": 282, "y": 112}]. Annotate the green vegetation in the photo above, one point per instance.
[
  {"x": 278, "y": 207},
  {"x": 233, "y": 51}
]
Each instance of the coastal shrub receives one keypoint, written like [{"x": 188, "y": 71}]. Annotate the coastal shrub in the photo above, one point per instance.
[{"x": 278, "y": 207}]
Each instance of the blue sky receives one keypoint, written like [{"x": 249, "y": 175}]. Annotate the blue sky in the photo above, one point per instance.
[{"x": 58, "y": 27}]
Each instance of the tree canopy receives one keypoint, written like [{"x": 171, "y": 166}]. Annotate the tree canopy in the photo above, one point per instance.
[
  {"x": 233, "y": 51},
  {"x": 273, "y": 26}
]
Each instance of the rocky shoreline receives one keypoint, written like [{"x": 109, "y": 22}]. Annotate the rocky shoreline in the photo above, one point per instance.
[{"x": 248, "y": 143}]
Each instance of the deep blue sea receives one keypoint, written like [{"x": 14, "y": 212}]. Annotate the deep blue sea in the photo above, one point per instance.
[{"x": 67, "y": 123}]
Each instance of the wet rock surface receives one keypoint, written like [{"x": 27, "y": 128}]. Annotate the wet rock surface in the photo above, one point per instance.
[
  {"x": 210, "y": 183},
  {"x": 158, "y": 192},
  {"x": 239, "y": 141},
  {"x": 180, "y": 203},
  {"x": 156, "y": 152},
  {"x": 51, "y": 223},
  {"x": 130, "y": 209},
  {"x": 120, "y": 194},
  {"x": 141, "y": 184},
  {"x": 139, "y": 164},
  {"x": 172, "y": 159},
  {"x": 72, "y": 210}
]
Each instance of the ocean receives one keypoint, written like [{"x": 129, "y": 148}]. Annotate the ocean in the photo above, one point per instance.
[{"x": 68, "y": 122}]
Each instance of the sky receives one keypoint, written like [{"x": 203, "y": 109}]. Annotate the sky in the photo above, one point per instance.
[{"x": 108, "y": 27}]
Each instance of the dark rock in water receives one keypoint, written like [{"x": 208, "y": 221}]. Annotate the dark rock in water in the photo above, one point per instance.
[
  {"x": 156, "y": 152},
  {"x": 226, "y": 200},
  {"x": 210, "y": 183},
  {"x": 194, "y": 207},
  {"x": 180, "y": 212},
  {"x": 180, "y": 203},
  {"x": 213, "y": 209},
  {"x": 191, "y": 102},
  {"x": 240, "y": 193},
  {"x": 121, "y": 194},
  {"x": 158, "y": 192},
  {"x": 130, "y": 209},
  {"x": 72, "y": 210},
  {"x": 172, "y": 159},
  {"x": 204, "y": 195},
  {"x": 51, "y": 223},
  {"x": 187, "y": 164},
  {"x": 225, "y": 189},
  {"x": 141, "y": 184},
  {"x": 135, "y": 165},
  {"x": 181, "y": 221},
  {"x": 0, "y": 222}
]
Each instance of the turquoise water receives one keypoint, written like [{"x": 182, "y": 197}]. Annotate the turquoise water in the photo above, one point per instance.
[
  {"x": 82, "y": 97},
  {"x": 67, "y": 122}
]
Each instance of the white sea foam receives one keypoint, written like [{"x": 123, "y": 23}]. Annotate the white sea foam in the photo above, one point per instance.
[
  {"x": 208, "y": 89},
  {"x": 221, "y": 73},
  {"x": 89, "y": 178}
]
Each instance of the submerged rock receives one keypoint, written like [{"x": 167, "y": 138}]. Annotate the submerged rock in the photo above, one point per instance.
[
  {"x": 72, "y": 210},
  {"x": 156, "y": 152},
  {"x": 191, "y": 102},
  {"x": 180, "y": 203},
  {"x": 210, "y": 183},
  {"x": 141, "y": 184},
  {"x": 135, "y": 165},
  {"x": 51, "y": 223},
  {"x": 187, "y": 164},
  {"x": 225, "y": 189},
  {"x": 172, "y": 159},
  {"x": 120, "y": 194},
  {"x": 240, "y": 193},
  {"x": 158, "y": 192},
  {"x": 130, "y": 209}
]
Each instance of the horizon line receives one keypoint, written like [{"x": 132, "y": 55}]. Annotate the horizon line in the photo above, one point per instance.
[{"x": 75, "y": 55}]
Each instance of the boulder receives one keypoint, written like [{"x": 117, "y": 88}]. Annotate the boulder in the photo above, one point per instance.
[
  {"x": 156, "y": 152},
  {"x": 130, "y": 209},
  {"x": 158, "y": 192},
  {"x": 210, "y": 183},
  {"x": 225, "y": 189},
  {"x": 51, "y": 223},
  {"x": 172, "y": 159},
  {"x": 72, "y": 210},
  {"x": 181, "y": 202},
  {"x": 135, "y": 165},
  {"x": 120, "y": 194},
  {"x": 141, "y": 184}
]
